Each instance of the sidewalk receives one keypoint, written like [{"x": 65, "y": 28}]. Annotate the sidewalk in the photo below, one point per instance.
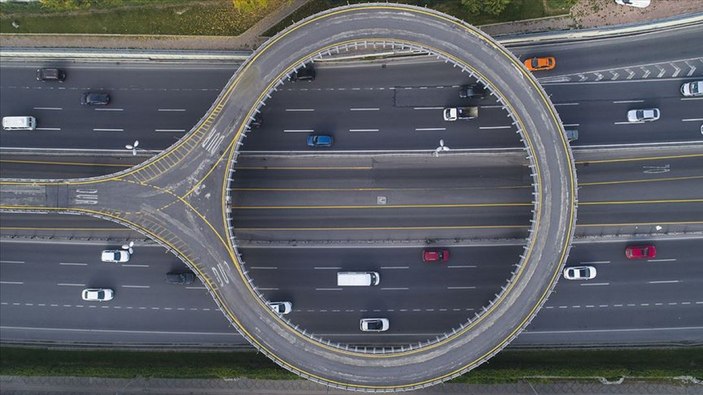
[{"x": 585, "y": 14}]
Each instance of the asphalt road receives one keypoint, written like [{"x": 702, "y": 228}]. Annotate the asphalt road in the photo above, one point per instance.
[{"x": 629, "y": 302}]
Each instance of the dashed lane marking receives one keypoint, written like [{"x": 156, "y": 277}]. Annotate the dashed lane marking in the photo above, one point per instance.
[
  {"x": 6, "y": 261},
  {"x": 72, "y": 264},
  {"x": 664, "y": 282},
  {"x": 593, "y": 284},
  {"x": 12, "y": 282}
]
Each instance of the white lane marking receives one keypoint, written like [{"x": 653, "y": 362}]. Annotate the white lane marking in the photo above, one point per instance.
[
  {"x": 135, "y": 265},
  {"x": 328, "y": 289},
  {"x": 395, "y": 289},
  {"x": 11, "y": 261},
  {"x": 664, "y": 282},
  {"x": 394, "y": 267},
  {"x": 171, "y": 109},
  {"x": 615, "y": 330},
  {"x": 109, "y": 109},
  {"x": 594, "y": 262},
  {"x": 48, "y": 128},
  {"x": 593, "y": 284},
  {"x": 169, "y": 130},
  {"x": 263, "y": 267},
  {"x": 298, "y": 130},
  {"x": 495, "y": 127},
  {"x": 493, "y": 106},
  {"x": 461, "y": 266},
  {"x": 628, "y": 101},
  {"x": 428, "y": 108},
  {"x": 461, "y": 287},
  {"x": 70, "y": 285},
  {"x": 364, "y": 109},
  {"x": 136, "y": 286},
  {"x": 267, "y": 289},
  {"x": 23, "y": 328},
  {"x": 12, "y": 282},
  {"x": 572, "y": 124},
  {"x": 300, "y": 109},
  {"x": 363, "y": 130},
  {"x": 566, "y": 104},
  {"x": 662, "y": 260},
  {"x": 49, "y": 108},
  {"x": 327, "y": 267},
  {"x": 429, "y": 129},
  {"x": 692, "y": 98},
  {"x": 692, "y": 119},
  {"x": 73, "y": 264},
  {"x": 196, "y": 288},
  {"x": 627, "y": 123},
  {"x": 108, "y": 130}
]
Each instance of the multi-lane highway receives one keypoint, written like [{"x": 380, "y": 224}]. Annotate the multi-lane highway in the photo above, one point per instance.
[{"x": 371, "y": 107}]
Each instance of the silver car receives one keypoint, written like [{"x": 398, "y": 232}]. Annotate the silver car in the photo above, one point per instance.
[
  {"x": 580, "y": 273},
  {"x": 281, "y": 307},
  {"x": 97, "y": 294},
  {"x": 374, "y": 324},
  {"x": 115, "y": 256},
  {"x": 693, "y": 88},
  {"x": 643, "y": 115}
]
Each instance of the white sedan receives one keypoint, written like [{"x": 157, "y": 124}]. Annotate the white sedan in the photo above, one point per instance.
[
  {"x": 374, "y": 324},
  {"x": 97, "y": 294},
  {"x": 281, "y": 307},
  {"x": 643, "y": 115},
  {"x": 580, "y": 273},
  {"x": 634, "y": 3},
  {"x": 115, "y": 256}
]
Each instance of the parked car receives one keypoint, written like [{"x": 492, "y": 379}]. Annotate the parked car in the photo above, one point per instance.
[
  {"x": 693, "y": 88},
  {"x": 281, "y": 307},
  {"x": 95, "y": 99},
  {"x": 541, "y": 63},
  {"x": 115, "y": 256},
  {"x": 647, "y": 251},
  {"x": 374, "y": 324},
  {"x": 51, "y": 74},
  {"x": 475, "y": 91},
  {"x": 634, "y": 3},
  {"x": 580, "y": 273},
  {"x": 97, "y": 294},
  {"x": 180, "y": 278},
  {"x": 320, "y": 141},
  {"x": 643, "y": 115},
  {"x": 435, "y": 255},
  {"x": 306, "y": 73}
]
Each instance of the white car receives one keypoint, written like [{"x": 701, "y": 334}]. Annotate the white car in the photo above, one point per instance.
[
  {"x": 97, "y": 294},
  {"x": 281, "y": 307},
  {"x": 115, "y": 256},
  {"x": 643, "y": 115},
  {"x": 634, "y": 3},
  {"x": 374, "y": 324},
  {"x": 580, "y": 273},
  {"x": 694, "y": 88}
]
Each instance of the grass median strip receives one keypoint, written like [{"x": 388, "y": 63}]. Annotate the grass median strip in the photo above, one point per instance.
[{"x": 507, "y": 367}]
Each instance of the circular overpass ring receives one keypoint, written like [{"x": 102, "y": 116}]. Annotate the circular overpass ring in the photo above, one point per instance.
[{"x": 554, "y": 197}]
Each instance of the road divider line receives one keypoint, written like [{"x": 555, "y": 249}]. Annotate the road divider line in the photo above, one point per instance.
[
  {"x": 664, "y": 282},
  {"x": 394, "y": 267},
  {"x": 363, "y": 130},
  {"x": 298, "y": 130},
  {"x": 428, "y": 108},
  {"x": 429, "y": 129},
  {"x": 108, "y": 130},
  {"x": 692, "y": 119},
  {"x": 593, "y": 262},
  {"x": 134, "y": 265},
  {"x": 395, "y": 289},
  {"x": 328, "y": 289},
  {"x": 459, "y": 288},
  {"x": 327, "y": 267},
  {"x": 70, "y": 285},
  {"x": 5, "y": 261},
  {"x": 169, "y": 130},
  {"x": 495, "y": 127},
  {"x": 627, "y": 123},
  {"x": 109, "y": 109},
  {"x": 49, "y": 108},
  {"x": 461, "y": 267},
  {"x": 566, "y": 104},
  {"x": 627, "y": 101},
  {"x": 12, "y": 282},
  {"x": 171, "y": 109},
  {"x": 72, "y": 264},
  {"x": 136, "y": 286},
  {"x": 364, "y": 109},
  {"x": 300, "y": 109},
  {"x": 662, "y": 260},
  {"x": 594, "y": 284},
  {"x": 48, "y": 128},
  {"x": 571, "y": 124},
  {"x": 263, "y": 268}
]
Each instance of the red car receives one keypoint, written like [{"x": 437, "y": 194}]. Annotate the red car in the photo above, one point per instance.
[
  {"x": 435, "y": 255},
  {"x": 641, "y": 252}
]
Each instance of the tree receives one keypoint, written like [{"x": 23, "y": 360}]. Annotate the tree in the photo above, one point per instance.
[
  {"x": 492, "y": 7},
  {"x": 249, "y": 6}
]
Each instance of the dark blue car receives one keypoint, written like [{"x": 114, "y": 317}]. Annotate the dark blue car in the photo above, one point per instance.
[{"x": 320, "y": 140}]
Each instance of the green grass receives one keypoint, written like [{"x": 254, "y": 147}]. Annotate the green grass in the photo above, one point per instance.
[
  {"x": 506, "y": 367},
  {"x": 174, "y": 17}
]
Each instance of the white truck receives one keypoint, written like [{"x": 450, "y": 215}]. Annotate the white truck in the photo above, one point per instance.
[{"x": 454, "y": 113}]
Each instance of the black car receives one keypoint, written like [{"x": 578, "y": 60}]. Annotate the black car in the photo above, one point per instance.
[
  {"x": 180, "y": 278},
  {"x": 51, "y": 75},
  {"x": 476, "y": 91},
  {"x": 307, "y": 73},
  {"x": 95, "y": 99}
]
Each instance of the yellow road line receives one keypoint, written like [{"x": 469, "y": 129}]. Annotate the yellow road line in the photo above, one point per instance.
[
  {"x": 639, "y": 159},
  {"x": 41, "y": 162},
  {"x": 121, "y": 229},
  {"x": 352, "y": 207},
  {"x": 303, "y": 168},
  {"x": 654, "y": 201}
]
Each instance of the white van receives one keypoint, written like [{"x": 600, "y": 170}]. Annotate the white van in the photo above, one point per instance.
[
  {"x": 19, "y": 123},
  {"x": 358, "y": 279}
]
